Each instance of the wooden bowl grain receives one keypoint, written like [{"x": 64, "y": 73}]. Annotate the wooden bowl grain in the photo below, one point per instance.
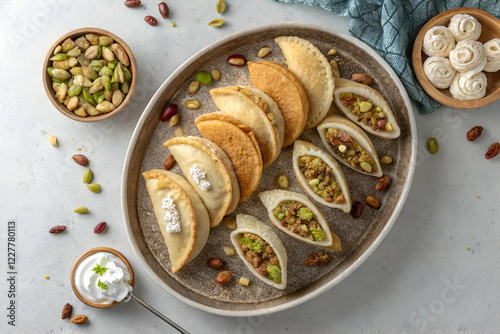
[
  {"x": 89, "y": 253},
  {"x": 490, "y": 29},
  {"x": 47, "y": 80}
]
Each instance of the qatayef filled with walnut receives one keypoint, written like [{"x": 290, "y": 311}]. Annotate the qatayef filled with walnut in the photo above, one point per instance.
[
  {"x": 210, "y": 172},
  {"x": 295, "y": 215},
  {"x": 181, "y": 215},
  {"x": 320, "y": 176},
  {"x": 256, "y": 109},
  {"x": 314, "y": 72},
  {"x": 261, "y": 250}
]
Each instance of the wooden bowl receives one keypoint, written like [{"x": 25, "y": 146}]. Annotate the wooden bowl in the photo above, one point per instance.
[
  {"x": 490, "y": 29},
  {"x": 87, "y": 254},
  {"x": 47, "y": 80}
]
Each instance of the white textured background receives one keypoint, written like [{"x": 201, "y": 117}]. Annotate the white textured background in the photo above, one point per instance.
[{"x": 421, "y": 279}]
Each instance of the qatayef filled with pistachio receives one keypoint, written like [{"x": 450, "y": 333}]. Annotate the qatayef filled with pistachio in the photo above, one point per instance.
[
  {"x": 210, "y": 172},
  {"x": 261, "y": 250},
  {"x": 295, "y": 215},
  {"x": 320, "y": 176},
  {"x": 350, "y": 145},
  {"x": 181, "y": 215}
]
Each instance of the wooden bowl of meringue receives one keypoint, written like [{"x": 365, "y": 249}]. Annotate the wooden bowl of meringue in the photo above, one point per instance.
[{"x": 456, "y": 58}]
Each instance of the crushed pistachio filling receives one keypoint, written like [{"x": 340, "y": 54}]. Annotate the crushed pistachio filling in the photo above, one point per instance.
[
  {"x": 299, "y": 219},
  {"x": 261, "y": 255},
  {"x": 350, "y": 151},
  {"x": 320, "y": 179},
  {"x": 366, "y": 111}
]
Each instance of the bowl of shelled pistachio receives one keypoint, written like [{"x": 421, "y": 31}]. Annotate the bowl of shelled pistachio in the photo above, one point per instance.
[{"x": 90, "y": 74}]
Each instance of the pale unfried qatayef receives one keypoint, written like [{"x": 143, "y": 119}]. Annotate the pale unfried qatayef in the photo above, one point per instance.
[
  {"x": 360, "y": 144},
  {"x": 194, "y": 223},
  {"x": 256, "y": 109},
  {"x": 357, "y": 114},
  {"x": 314, "y": 72},
  {"x": 250, "y": 224},
  {"x": 285, "y": 89},
  {"x": 273, "y": 198},
  {"x": 238, "y": 141},
  {"x": 210, "y": 172},
  {"x": 301, "y": 149}
]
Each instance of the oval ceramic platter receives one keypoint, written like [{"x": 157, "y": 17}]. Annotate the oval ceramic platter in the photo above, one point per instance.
[{"x": 195, "y": 283}]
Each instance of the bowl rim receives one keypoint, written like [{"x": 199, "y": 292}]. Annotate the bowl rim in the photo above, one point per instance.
[
  {"x": 418, "y": 68},
  {"x": 362, "y": 258},
  {"x": 87, "y": 254},
  {"x": 47, "y": 81}
]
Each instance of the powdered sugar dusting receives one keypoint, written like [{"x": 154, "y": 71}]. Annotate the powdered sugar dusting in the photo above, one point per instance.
[
  {"x": 172, "y": 215},
  {"x": 199, "y": 177}
]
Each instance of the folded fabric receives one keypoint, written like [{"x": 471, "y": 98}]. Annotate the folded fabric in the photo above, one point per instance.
[{"x": 390, "y": 28}]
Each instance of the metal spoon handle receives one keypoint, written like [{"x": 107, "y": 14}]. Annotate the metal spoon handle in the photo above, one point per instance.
[{"x": 159, "y": 315}]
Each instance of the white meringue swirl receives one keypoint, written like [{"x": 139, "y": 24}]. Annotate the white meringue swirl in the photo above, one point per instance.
[
  {"x": 464, "y": 27},
  {"x": 438, "y": 42},
  {"x": 439, "y": 71},
  {"x": 464, "y": 88},
  {"x": 492, "y": 52},
  {"x": 468, "y": 57}
]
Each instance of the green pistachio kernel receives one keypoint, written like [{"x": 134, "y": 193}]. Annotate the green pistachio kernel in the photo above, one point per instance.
[
  {"x": 432, "y": 145},
  {"x": 49, "y": 71},
  {"x": 94, "y": 187},
  {"x": 81, "y": 210},
  {"x": 314, "y": 182},
  {"x": 59, "y": 57},
  {"x": 385, "y": 160},
  {"x": 204, "y": 77},
  {"x": 74, "y": 90},
  {"x": 366, "y": 166},
  {"x": 87, "y": 175}
]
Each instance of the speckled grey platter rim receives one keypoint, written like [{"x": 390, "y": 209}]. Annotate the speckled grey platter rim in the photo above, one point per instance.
[{"x": 149, "y": 121}]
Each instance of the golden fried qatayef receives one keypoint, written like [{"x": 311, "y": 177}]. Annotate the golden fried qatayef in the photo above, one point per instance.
[
  {"x": 210, "y": 171},
  {"x": 256, "y": 109},
  {"x": 184, "y": 224},
  {"x": 238, "y": 141},
  {"x": 314, "y": 72},
  {"x": 285, "y": 89}
]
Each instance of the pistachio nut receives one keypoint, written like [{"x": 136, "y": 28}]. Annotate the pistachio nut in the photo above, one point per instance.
[
  {"x": 81, "y": 210},
  {"x": 335, "y": 68},
  {"x": 82, "y": 43},
  {"x": 93, "y": 39},
  {"x": 215, "y": 73},
  {"x": 108, "y": 54},
  {"x": 386, "y": 160},
  {"x": 192, "y": 104},
  {"x": 83, "y": 61},
  {"x": 80, "y": 80},
  {"x": 90, "y": 109},
  {"x": 112, "y": 64},
  {"x": 120, "y": 54},
  {"x": 74, "y": 90},
  {"x": 56, "y": 86},
  {"x": 193, "y": 87},
  {"x": 96, "y": 86},
  {"x": 105, "y": 71},
  {"x": 61, "y": 65},
  {"x": 59, "y": 57},
  {"x": 118, "y": 75},
  {"x": 98, "y": 97},
  {"x": 108, "y": 95},
  {"x": 115, "y": 86},
  {"x": 216, "y": 22},
  {"x": 73, "y": 102},
  {"x": 99, "y": 52},
  {"x": 76, "y": 71},
  {"x": 263, "y": 52},
  {"x": 179, "y": 132},
  {"x": 75, "y": 52},
  {"x": 106, "y": 82},
  {"x": 80, "y": 112},
  {"x": 127, "y": 74},
  {"x": 94, "y": 187},
  {"x": 59, "y": 81},
  {"x": 220, "y": 6},
  {"x": 366, "y": 166},
  {"x": 72, "y": 61},
  {"x": 92, "y": 52},
  {"x": 87, "y": 175},
  {"x": 87, "y": 97},
  {"x": 105, "y": 106},
  {"x": 57, "y": 50},
  {"x": 66, "y": 101},
  {"x": 117, "y": 98},
  {"x": 96, "y": 65},
  {"x": 332, "y": 52},
  {"x": 105, "y": 41},
  {"x": 49, "y": 71},
  {"x": 125, "y": 87},
  {"x": 89, "y": 72},
  {"x": 67, "y": 45},
  {"x": 173, "y": 120},
  {"x": 61, "y": 74}
]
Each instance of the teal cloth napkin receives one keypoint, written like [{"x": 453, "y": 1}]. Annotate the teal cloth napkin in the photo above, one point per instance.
[{"x": 390, "y": 28}]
